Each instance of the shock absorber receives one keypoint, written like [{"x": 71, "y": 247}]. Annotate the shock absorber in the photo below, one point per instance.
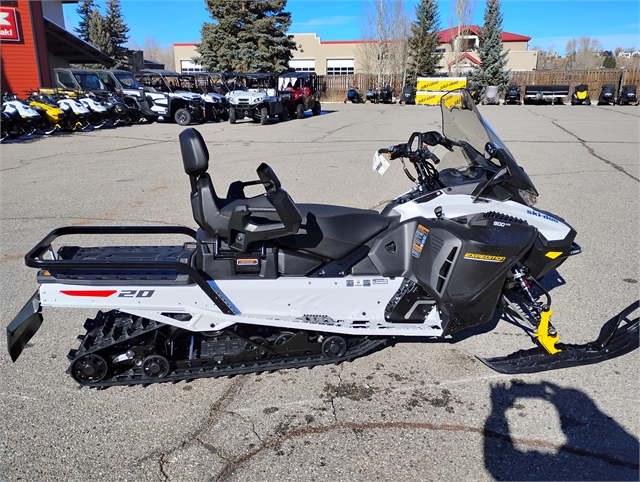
[{"x": 520, "y": 278}]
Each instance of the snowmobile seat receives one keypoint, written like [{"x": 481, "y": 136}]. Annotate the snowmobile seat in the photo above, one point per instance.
[
  {"x": 236, "y": 219},
  {"x": 332, "y": 232}
]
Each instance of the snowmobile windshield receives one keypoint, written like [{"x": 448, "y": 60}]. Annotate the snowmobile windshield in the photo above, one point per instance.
[
  {"x": 473, "y": 138},
  {"x": 127, "y": 80},
  {"x": 463, "y": 123}
]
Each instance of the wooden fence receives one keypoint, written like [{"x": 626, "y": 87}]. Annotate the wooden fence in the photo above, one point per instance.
[{"x": 335, "y": 87}]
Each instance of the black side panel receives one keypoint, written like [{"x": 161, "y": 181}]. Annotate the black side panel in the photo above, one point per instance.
[{"x": 462, "y": 263}]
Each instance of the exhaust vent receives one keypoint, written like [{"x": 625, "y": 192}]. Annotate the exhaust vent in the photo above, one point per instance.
[{"x": 445, "y": 268}]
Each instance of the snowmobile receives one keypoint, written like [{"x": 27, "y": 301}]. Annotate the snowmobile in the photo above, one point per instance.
[
  {"x": 627, "y": 95},
  {"x": 607, "y": 96},
  {"x": 51, "y": 116},
  {"x": 512, "y": 95},
  {"x": 372, "y": 95},
  {"x": 491, "y": 96},
  {"x": 354, "y": 96},
  {"x": 580, "y": 95},
  {"x": 267, "y": 284},
  {"x": 25, "y": 120},
  {"x": 408, "y": 95},
  {"x": 386, "y": 95}
]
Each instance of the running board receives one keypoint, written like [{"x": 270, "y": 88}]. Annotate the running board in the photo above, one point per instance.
[{"x": 614, "y": 341}]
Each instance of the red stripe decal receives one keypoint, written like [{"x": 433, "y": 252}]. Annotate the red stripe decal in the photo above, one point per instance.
[{"x": 93, "y": 293}]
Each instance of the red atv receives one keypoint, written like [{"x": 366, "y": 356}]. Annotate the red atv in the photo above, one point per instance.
[{"x": 303, "y": 88}]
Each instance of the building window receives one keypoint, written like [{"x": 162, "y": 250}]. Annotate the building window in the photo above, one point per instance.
[
  {"x": 340, "y": 66},
  {"x": 303, "y": 65},
  {"x": 188, "y": 67}
]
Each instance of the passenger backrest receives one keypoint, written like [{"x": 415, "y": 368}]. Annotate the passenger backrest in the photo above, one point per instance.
[{"x": 195, "y": 158}]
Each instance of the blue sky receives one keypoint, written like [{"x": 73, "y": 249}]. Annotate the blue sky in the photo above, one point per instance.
[{"x": 550, "y": 23}]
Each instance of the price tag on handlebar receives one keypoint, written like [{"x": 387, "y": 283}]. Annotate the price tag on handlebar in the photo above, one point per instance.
[{"x": 380, "y": 163}]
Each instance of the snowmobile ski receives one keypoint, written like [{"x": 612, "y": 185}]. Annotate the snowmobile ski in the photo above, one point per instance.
[{"x": 616, "y": 339}]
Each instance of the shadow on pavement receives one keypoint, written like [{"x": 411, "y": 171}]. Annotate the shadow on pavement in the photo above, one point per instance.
[{"x": 596, "y": 447}]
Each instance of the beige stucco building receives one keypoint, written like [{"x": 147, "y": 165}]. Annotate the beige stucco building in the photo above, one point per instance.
[{"x": 341, "y": 57}]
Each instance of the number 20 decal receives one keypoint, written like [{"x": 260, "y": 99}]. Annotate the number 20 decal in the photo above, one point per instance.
[{"x": 136, "y": 293}]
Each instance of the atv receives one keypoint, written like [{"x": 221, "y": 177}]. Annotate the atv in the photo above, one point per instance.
[
  {"x": 169, "y": 99},
  {"x": 266, "y": 284},
  {"x": 304, "y": 92},
  {"x": 124, "y": 84},
  {"x": 255, "y": 96}
]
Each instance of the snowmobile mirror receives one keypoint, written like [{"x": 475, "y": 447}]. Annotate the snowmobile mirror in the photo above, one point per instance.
[
  {"x": 415, "y": 142},
  {"x": 432, "y": 138}
]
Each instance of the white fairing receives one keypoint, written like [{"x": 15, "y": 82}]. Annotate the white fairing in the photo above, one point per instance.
[
  {"x": 77, "y": 107},
  {"x": 457, "y": 205},
  {"x": 350, "y": 305},
  {"x": 93, "y": 105},
  {"x": 23, "y": 110}
]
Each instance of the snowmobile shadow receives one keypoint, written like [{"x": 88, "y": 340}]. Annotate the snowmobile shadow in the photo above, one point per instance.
[{"x": 596, "y": 447}]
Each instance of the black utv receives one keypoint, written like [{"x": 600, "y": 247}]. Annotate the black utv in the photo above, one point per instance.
[
  {"x": 174, "y": 102},
  {"x": 124, "y": 84}
]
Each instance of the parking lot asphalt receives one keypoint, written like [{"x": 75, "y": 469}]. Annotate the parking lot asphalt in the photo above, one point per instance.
[{"x": 417, "y": 410}]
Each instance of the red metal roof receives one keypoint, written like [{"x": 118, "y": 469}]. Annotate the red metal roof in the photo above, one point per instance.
[
  {"x": 447, "y": 35},
  {"x": 466, "y": 55}
]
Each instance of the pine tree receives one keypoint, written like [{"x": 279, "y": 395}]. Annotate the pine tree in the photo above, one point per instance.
[
  {"x": 117, "y": 30},
  {"x": 248, "y": 35},
  {"x": 423, "y": 41},
  {"x": 97, "y": 34},
  {"x": 609, "y": 62},
  {"x": 493, "y": 60},
  {"x": 85, "y": 7}
]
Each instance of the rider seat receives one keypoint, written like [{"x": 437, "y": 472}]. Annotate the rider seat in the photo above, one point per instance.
[{"x": 237, "y": 219}]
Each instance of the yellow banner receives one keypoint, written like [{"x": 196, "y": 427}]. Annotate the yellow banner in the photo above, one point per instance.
[
  {"x": 428, "y": 98},
  {"x": 441, "y": 83}
]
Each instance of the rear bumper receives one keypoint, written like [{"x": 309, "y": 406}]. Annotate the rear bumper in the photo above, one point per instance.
[{"x": 22, "y": 328}]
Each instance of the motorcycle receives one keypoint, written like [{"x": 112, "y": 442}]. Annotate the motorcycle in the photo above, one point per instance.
[
  {"x": 354, "y": 96},
  {"x": 24, "y": 120},
  {"x": 267, "y": 284}
]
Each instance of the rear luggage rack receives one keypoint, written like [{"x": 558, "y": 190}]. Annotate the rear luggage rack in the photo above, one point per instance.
[{"x": 109, "y": 269}]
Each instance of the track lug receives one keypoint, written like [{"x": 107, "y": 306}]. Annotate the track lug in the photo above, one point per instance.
[{"x": 72, "y": 355}]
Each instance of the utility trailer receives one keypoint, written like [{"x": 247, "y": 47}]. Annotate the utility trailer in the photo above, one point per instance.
[{"x": 548, "y": 94}]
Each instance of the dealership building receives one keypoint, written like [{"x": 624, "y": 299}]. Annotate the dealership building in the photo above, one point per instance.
[
  {"x": 342, "y": 57},
  {"x": 34, "y": 41}
]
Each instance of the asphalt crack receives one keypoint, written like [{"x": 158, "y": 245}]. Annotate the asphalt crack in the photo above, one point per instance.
[
  {"x": 589, "y": 149},
  {"x": 593, "y": 153},
  {"x": 314, "y": 430},
  {"x": 224, "y": 400}
]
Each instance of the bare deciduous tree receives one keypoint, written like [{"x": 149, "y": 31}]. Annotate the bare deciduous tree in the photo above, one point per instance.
[
  {"x": 583, "y": 53},
  {"x": 384, "y": 28},
  {"x": 153, "y": 50},
  {"x": 464, "y": 10}
]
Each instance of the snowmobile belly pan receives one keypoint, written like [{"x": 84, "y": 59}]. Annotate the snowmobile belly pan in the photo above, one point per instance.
[
  {"x": 22, "y": 328},
  {"x": 614, "y": 341}
]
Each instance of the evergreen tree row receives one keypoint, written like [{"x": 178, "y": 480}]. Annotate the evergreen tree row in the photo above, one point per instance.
[
  {"x": 246, "y": 36},
  {"x": 107, "y": 32}
]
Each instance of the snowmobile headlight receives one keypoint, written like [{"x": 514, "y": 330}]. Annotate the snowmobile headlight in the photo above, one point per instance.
[{"x": 529, "y": 197}]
